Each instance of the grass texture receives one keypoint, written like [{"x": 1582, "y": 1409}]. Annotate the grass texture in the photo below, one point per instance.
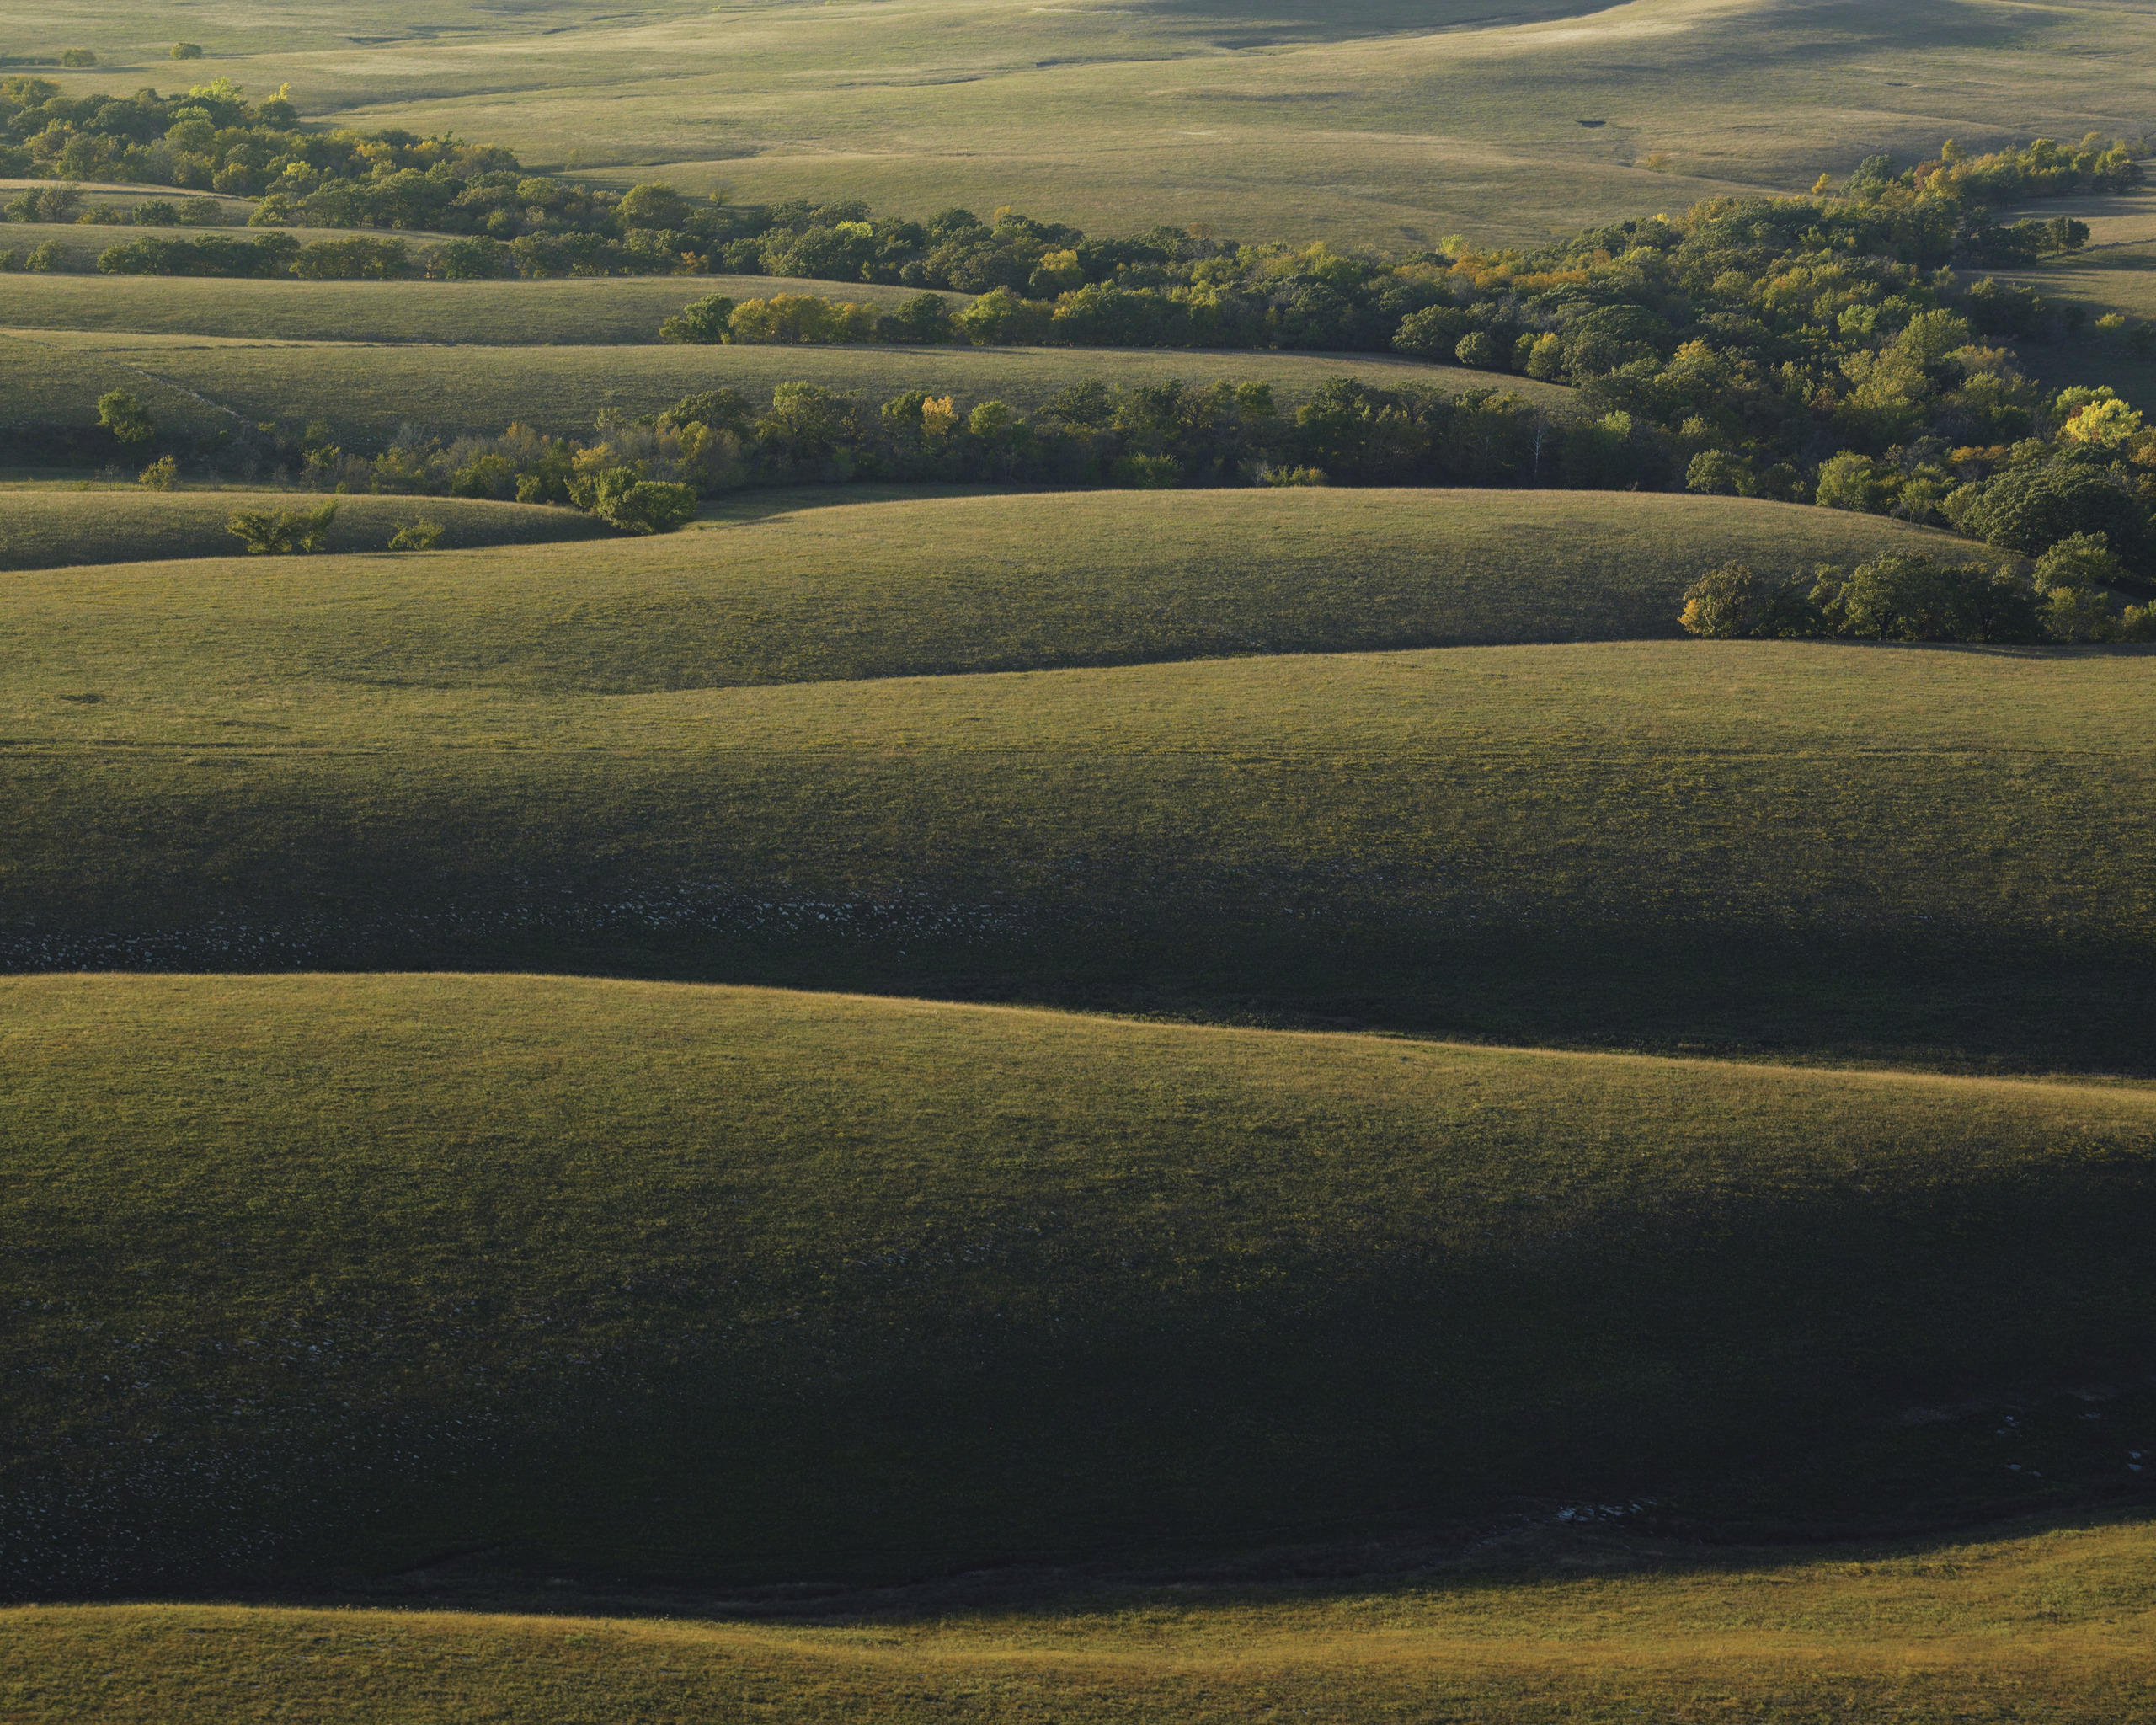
[
  {"x": 336, "y": 1275},
  {"x": 1827, "y": 849},
  {"x": 2051, "y": 1625},
  {"x": 820, "y": 585},
  {"x": 599, "y": 312},
  {"x": 1373, "y": 121},
  {"x": 49, "y": 525},
  {"x": 368, "y": 391}
]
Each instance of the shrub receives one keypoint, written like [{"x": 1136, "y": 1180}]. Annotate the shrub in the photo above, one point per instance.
[
  {"x": 635, "y": 505},
  {"x": 1295, "y": 476},
  {"x": 9, "y": 262},
  {"x": 158, "y": 212},
  {"x": 704, "y": 322},
  {"x": 421, "y": 535},
  {"x": 279, "y": 532},
  {"x": 184, "y": 50},
  {"x": 78, "y": 58},
  {"x": 46, "y": 257},
  {"x": 202, "y": 213},
  {"x": 1147, "y": 472},
  {"x": 162, "y": 474},
  {"x": 125, "y": 417}
]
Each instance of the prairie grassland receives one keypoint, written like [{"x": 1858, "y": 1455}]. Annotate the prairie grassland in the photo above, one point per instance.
[
  {"x": 820, "y": 583},
  {"x": 2051, "y": 1625},
  {"x": 368, "y": 391},
  {"x": 1831, "y": 850},
  {"x": 589, "y": 313},
  {"x": 325, "y": 1274},
  {"x": 45, "y": 385},
  {"x": 1371, "y": 121},
  {"x": 47, "y": 525}
]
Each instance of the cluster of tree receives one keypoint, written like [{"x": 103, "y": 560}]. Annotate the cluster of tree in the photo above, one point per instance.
[
  {"x": 65, "y": 203},
  {"x": 791, "y": 318},
  {"x": 213, "y": 139},
  {"x": 2066, "y": 596},
  {"x": 357, "y": 257},
  {"x": 1148, "y": 437}
]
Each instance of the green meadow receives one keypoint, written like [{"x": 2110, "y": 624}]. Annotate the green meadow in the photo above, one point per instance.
[
  {"x": 2049, "y": 1623},
  {"x": 697, "y": 1286},
  {"x": 48, "y": 524},
  {"x": 363, "y": 391},
  {"x": 596, "y": 313},
  {"x": 1271, "y": 1102},
  {"x": 1372, "y": 121},
  {"x": 1814, "y": 850}
]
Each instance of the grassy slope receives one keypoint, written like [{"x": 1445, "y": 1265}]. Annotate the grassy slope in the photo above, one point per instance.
[
  {"x": 818, "y": 585},
  {"x": 1371, "y": 121},
  {"x": 1939, "y": 854},
  {"x": 369, "y": 391},
  {"x": 652, "y": 1281},
  {"x": 2051, "y": 1624},
  {"x": 626, "y": 310},
  {"x": 48, "y": 525}
]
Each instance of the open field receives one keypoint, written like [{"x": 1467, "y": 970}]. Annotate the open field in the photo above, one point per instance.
[
  {"x": 50, "y": 525},
  {"x": 1832, "y": 850},
  {"x": 2051, "y": 1624},
  {"x": 1366, "y": 122},
  {"x": 367, "y": 392},
  {"x": 596, "y": 312},
  {"x": 823, "y": 583},
  {"x": 336, "y": 1274}
]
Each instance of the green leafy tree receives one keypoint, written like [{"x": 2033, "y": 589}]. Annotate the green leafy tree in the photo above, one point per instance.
[
  {"x": 926, "y": 318},
  {"x": 46, "y": 259},
  {"x": 282, "y": 533},
  {"x": 2070, "y": 579},
  {"x": 162, "y": 474},
  {"x": 125, "y": 417},
  {"x": 1724, "y": 604},
  {"x": 1478, "y": 348},
  {"x": 636, "y": 505},
  {"x": 1716, "y": 472},
  {"x": 184, "y": 50},
  {"x": 706, "y": 322},
  {"x": 654, "y": 204}
]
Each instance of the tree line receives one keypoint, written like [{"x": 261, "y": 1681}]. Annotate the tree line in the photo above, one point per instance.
[{"x": 2068, "y": 596}]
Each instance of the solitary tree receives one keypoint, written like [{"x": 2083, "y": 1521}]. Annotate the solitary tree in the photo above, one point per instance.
[
  {"x": 184, "y": 50},
  {"x": 125, "y": 417}
]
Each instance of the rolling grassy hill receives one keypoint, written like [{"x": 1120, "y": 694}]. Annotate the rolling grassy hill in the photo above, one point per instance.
[
  {"x": 198, "y": 383},
  {"x": 1373, "y": 121},
  {"x": 2049, "y": 1624},
  {"x": 597, "y": 312},
  {"x": 1830, "y": 849},
  {"x": 47, "y": 525},
  {"x": 334, "y": 1275},
  {"x": 825, "y": 584}
]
